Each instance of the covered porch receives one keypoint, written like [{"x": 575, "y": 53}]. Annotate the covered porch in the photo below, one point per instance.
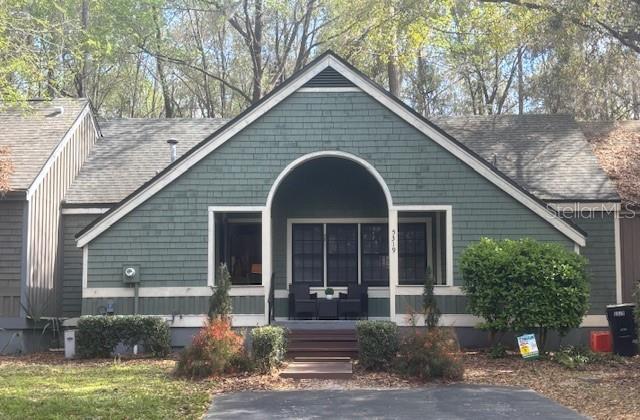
[{"x": 329, "y": 222}]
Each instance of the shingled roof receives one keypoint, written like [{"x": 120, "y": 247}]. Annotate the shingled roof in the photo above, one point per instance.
[
  {"x": 32, "y": 133},
  {"x": 132, "y": 152},
  {"x": 546, "y": 154}
]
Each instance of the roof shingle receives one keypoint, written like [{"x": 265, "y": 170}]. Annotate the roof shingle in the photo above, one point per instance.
[{"x": 33, "y": 133}]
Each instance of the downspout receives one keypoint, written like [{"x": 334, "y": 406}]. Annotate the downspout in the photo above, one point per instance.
[{"x": 136, "y": 298}]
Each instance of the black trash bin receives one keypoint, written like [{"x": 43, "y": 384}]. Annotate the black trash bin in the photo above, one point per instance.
[{"x": 623, "y": 329}]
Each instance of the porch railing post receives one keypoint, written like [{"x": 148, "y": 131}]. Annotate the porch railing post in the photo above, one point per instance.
[
  {"x": 393, "y": 261},
  {"x": 266, "y": 260}
]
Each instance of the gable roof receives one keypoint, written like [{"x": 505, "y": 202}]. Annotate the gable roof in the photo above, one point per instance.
[
  {"x": 33, "y": 134},
  {"x": 546, "y": 154},
  {"x": 295, "y": 82},
  {"x": 132, "y": 152}
]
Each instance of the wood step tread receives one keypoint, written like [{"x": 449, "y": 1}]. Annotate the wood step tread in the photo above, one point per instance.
[
  {"x": 322, "y": 359},
  {"x": 318, "y": 370}
]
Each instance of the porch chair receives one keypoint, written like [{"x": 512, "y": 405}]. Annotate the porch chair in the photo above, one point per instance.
[
  {"x": 354, "y": 303},
  {"x": 301, "y": 301}
]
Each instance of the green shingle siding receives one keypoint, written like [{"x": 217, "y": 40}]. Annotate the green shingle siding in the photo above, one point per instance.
[
  {"x": 72, "y": 263},
  {"x": 11, "y": 222},
  {"x": 167, "y": 235},
  {"x": 190, "y": 305},
  {"x": 600, "y": 251},
  {"x": 406, "y": 304}
]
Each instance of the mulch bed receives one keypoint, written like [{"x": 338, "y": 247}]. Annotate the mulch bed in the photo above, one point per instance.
[{"x": 604, "y": 390}]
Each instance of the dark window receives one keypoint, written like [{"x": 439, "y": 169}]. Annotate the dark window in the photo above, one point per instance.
[
  {"x": 244, "y": 258},
  {"x": 342, "y": 254},
  {"x": 308, "y": 255},
  {"x": 375, "y": 254},
  {"x": 412, "y": 256}
]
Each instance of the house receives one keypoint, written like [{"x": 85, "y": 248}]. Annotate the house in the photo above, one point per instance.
[
  {"x": 327, "y": 181},
  {"x": 617, "y": 146},
  {"x": 47, "y": 143}
]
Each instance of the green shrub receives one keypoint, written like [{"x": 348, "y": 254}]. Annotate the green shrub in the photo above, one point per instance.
[
  {"x": 378, "y": 343},
  {"x": 430, "y": 354},
  {"x": 575, "y": 357},
  {"x": 216, "y": 349},
  {"x": 269, "y": 346},
  {"x": 521, "y": 285},
  {"x": 429, "y": 303},
  {"x": 98, "y": 336},
  {"x": 220, "y": 301}
]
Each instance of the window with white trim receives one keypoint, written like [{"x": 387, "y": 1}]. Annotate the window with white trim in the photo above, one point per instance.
[
  {"x": 308, "y": 254},
  {"x": 342, "y": 253},
  {"x": 374, "y": 239}
]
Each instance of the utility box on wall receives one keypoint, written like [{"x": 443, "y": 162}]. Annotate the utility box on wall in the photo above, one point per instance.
[{"x": 131, "y": 274}]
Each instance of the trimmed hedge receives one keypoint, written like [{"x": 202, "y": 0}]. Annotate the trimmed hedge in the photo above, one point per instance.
[
  {"x": 269, "y": 346},
  {"x": 378, "y": 343},
  {"x": 98, "y": 336},
  {"x": 524, "y": 284}
]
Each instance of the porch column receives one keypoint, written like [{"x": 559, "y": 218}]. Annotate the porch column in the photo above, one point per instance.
[
  {"x": 266, "y": 259},
  {"x": 393, "y": 261}
]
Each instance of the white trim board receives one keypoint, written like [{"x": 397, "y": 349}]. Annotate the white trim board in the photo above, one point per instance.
[
  {"x": 466, "y": 320},
  {"x": 83, "y": 210},
  {"x": 193, "y": 321},
  {"x": 115, "y": 292},
  {"x": 329, "y": 60},
  {"x": 618, "y": 255}
]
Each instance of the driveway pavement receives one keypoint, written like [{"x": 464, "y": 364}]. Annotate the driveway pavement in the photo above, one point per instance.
[{"x": 437, "y": 402}]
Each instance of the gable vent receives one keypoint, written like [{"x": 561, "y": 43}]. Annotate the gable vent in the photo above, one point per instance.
[{"x": 329, "y": 78}]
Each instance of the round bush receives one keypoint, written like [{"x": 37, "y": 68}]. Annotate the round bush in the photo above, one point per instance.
[
  {"x": 525, "y": 284},
  {"x": 378, "y": 343}
]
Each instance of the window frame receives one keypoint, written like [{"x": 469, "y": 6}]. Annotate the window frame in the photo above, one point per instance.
[
  {"x": 322, "y": 256},
  {"x": 440, "y": 280}
]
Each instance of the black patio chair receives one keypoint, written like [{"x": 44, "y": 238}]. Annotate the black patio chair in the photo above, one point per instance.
[
  {"x": 354, "y": 303},
  {"x": 301, "y": 301}
]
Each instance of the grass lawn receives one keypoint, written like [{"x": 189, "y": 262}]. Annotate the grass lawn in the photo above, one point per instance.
[{"x": 106, "y": 390}]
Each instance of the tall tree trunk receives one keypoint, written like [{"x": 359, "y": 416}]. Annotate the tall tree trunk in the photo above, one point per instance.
[
  {"x": 83, "y": 77},
  {"x": 520, "y": 84},
  {"x": 393, "y": 73},
  {"x": 166, "y": 95},
  {"x": 256, "y": 48}
]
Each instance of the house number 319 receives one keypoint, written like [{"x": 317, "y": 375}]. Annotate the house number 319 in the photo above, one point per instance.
[{"x": 393, "y": 241}]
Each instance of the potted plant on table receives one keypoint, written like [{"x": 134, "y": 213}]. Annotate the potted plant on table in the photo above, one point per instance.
[{"x": 328, "y": 292}]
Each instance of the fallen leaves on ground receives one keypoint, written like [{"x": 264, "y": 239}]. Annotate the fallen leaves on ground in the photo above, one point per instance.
[{"x": 604, "y": 390}]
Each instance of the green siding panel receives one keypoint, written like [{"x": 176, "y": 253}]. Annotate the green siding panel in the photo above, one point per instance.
[
  {"x": 72, "y": 263},
  {"x": 11, "y": 215},
  {"x": 189, "y": 305},
  {"x": 379, "y": 307},
  {"x": 281, "y": 307},
  {"x": 406, "y": 304},
  {"x": 600, "y": 251},
  {"x": 167, "y": 235}
]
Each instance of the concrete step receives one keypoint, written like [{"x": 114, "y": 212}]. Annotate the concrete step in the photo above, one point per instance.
[{"x": 337, "y": 369}]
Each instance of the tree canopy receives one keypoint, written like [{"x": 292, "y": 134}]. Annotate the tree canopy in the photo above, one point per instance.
[{"x": 213, "y": 58}]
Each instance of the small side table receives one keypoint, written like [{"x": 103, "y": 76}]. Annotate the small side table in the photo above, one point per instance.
[{"x": 327, "y": 308}]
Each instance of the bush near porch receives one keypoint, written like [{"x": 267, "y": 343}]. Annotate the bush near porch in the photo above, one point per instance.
[
  {"x": 525, "y": 285},
  {"x": 269, "y": 346},
  {"x": 98, "y": 336}
]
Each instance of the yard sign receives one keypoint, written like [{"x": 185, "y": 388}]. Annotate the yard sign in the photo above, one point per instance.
[{"x": 528, "y": 346}]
